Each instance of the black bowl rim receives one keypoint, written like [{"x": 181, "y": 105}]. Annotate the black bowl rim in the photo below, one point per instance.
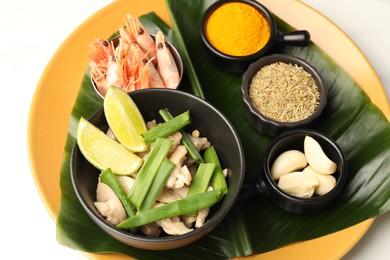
[
  {"x": 286, "y": 58},
  {"x": 172, "y": 48},
  {"x": 247, "y": 58},
  {"x": 209, "y": 225},
  {"x": 315, "y": 134}
]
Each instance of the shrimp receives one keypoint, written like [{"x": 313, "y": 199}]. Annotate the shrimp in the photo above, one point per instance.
[
  {"x": 126, "y": 36},
  {"x": 114, "y": 73},
  {"x": 143, "y": 80},
  {"x": 105, "y": 65},
  {"x": 147, "y": 69},
  {"x": 130, "y": 61},
  {"x": 99, "y": 53},
  {"x": 98, "y": 75},
  {"x": 166, "y": 65},
  {"x": 99, "y": 50},
  {"x": 141, "y": 36}
]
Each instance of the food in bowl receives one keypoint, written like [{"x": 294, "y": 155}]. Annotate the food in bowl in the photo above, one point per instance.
[
  {"x": 284, "y": 92},
  {"x": 307, "y": 173},
  {"x": 237, "y": 29},
  {"x": 236, "y": 33},
  {"x": 134, "y": 60},
  {"x": 179, "y": 178},
  {"x": 304, "y": 147},
  {"x": 204, "y": 117}
]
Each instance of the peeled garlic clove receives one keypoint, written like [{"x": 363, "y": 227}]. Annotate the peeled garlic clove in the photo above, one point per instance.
[
  {"x": 287, "y": 162},
  {"x": 326, "y": 182},
  {"x": 298, "y": 184},
  {"x": 317, "y": 158}
]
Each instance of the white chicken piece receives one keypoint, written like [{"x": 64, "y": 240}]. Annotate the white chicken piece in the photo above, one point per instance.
[
  {"x": 182, "y": 192},
  {"x": 201, "y": 217},
  {"x": 112, "y": 210},
  {"x": 169, "y": 195},
  {"x": 188, "y": 220},
  {"x": 151, "y": 230},
  {"x": 109, "y": 205},
  {"x": 151, "y": 124},
  {"x": 176, "y": 139},
  {"x": 180, "y": 175},
  {"x": 200, "y": 143},
  {"x": 173, "y": 226},
  {"x": 178, "y": 155},
  {"x": 184, "y": 178},
  {"x": 104, "y": 192},
  {"x": 126, "y": 182},
  {"x": 202, "y": 214}
]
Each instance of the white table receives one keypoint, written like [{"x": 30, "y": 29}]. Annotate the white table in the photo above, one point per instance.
[{"x": 31, "y": 31}]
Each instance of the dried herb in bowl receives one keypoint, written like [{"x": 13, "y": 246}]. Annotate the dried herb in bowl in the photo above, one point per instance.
[{"x": 284, "y": 92}]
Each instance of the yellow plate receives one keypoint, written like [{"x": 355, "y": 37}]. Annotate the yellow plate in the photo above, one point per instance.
[{"x": 57, "y": 89}]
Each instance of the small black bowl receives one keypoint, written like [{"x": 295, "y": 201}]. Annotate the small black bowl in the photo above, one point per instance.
[
  {"x": 204, "y": 117},
  {"x": 265, "y": 124},
  {"x": 238, "y": 64},
  {"x": 294, "y": 140},
  {"x": 175, "y": 54}
]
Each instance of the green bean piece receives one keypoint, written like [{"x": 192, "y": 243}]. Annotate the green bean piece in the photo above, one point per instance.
[
  {"x": 148, "y": 171},
  {"x": 218, "y": 180},
  {"x": 176, "y": 208},
  {"x": 108, "y": 177},
  {"x": 201, "y": 180},
  {"x": 167, "y": 128},
  {"x": 186, "y": 141},
  {"x": 159, "y": 181}
]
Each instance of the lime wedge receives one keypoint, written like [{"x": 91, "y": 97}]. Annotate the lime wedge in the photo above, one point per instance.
[
  {"x": 103, "y": 152},
  {"x": 124, "y": 119}
]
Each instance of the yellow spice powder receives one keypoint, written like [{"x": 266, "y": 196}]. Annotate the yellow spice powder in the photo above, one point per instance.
[{"x": 237, "y": 29}]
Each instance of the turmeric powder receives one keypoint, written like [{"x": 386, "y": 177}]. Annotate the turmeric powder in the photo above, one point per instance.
[{"x": 237, "y": 29}]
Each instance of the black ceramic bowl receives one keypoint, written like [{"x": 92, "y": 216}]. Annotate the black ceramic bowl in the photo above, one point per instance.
[
  {"x": 265, "y": 124},
  {"x": 294, "y": 140},
  {"x": 238, "y": 64},
  {"x": 204, "y": 117},
  {"x": 175, "y": 54}
]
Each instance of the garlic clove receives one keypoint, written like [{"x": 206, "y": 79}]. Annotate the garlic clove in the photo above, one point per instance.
[
  {"x": 288, "y": 162},
  {"x": 298, "y": 184},
  {"x": 326, "y": 182},
  {"x": 317, "y": 158}
]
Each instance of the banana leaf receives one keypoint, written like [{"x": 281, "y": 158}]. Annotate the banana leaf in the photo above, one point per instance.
[{"x": 254, "y": 225}]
